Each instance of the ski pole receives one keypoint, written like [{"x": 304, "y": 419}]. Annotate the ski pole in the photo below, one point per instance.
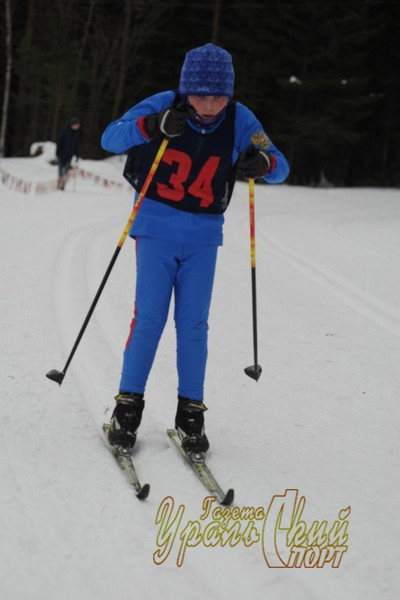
[
  {"x": 58, "y": 376},
  {"x": 254, "y": 371}
]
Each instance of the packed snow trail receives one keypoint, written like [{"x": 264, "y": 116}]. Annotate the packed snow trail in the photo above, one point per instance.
[{"x": 323, "y": 418}]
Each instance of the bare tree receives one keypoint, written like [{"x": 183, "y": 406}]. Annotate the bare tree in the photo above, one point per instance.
[
  {"x": 7, "y": 84},
  {"x": 82, "y": 48},
  {"x": 126, "y": 49},
  {"x": 215, "y": 21}
]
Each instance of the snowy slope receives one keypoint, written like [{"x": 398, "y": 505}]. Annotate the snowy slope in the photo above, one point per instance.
[{"x": 323, "y": 418}]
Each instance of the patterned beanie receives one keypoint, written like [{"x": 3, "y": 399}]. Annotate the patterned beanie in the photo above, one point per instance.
[{"x": 207, "y": 71}]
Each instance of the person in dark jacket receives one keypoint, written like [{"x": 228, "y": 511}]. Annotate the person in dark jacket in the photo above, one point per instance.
[{"x": 67, "y": 146}]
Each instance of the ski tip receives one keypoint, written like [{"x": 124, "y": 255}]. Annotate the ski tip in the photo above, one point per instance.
[
  {"x": 143, "y": 492},
  {"x": 228, "y": 498}
]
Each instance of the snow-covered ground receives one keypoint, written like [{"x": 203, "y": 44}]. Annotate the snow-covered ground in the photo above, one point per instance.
[{"x": 323, "y": 418}]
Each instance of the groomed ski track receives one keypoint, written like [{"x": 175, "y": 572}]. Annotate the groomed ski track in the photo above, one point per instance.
[{"x": 323, "y": 418}]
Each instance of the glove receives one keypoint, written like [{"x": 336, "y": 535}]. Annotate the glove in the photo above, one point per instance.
[
  {"x": 254, "y": 163},
  {"x": 170, "y": 122}
]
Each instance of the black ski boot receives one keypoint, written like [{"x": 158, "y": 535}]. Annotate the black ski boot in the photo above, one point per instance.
[
  {"x": 189, "y": 423},
  {"x": 126, "y": 419}
]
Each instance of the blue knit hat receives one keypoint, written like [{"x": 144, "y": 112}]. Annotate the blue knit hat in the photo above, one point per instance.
[{"x": 207, "y": 71}]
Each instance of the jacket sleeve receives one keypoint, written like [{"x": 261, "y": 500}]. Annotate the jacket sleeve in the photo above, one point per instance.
[
  {"x": 122, "y": 134},
  {"x": 248, "y": 130}
]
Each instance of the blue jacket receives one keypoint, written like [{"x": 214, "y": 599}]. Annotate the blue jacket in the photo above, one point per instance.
[{"x": 155, "y": 219}]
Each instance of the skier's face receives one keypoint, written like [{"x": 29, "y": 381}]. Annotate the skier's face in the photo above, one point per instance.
[{"x": 208, "y": 107}]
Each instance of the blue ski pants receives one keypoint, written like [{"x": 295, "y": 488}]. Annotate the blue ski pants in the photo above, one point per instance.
[{"x": 163, "y": 268}]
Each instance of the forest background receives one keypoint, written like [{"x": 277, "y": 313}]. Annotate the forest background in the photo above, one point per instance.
[{"x": 322, "y": 76}]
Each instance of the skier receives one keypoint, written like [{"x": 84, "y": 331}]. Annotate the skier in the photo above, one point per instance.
[
  {"x": 212, "y": 139},
  {"x": 67, "y": 146}
]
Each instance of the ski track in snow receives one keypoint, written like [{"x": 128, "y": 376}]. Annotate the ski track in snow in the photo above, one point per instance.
[
  {"x": 374, "y": 308},
  {"x": 323, "y": 417}
]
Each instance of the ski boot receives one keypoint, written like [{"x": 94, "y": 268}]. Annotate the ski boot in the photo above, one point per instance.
[
  {"x": 189, "y": 423},
  {"x": 126, "y": 419}
]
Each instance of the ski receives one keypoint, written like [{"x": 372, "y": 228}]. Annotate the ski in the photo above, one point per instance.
[
  {"x": 199, "y": 467},
  {"x": 124, "y": 459}
]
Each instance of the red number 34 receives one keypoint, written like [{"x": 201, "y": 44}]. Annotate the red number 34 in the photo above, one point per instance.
[{"x": 200, "y": 188}]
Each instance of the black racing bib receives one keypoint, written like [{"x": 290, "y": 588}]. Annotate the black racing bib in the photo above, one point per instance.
[{"x": 195, "y": 174}]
